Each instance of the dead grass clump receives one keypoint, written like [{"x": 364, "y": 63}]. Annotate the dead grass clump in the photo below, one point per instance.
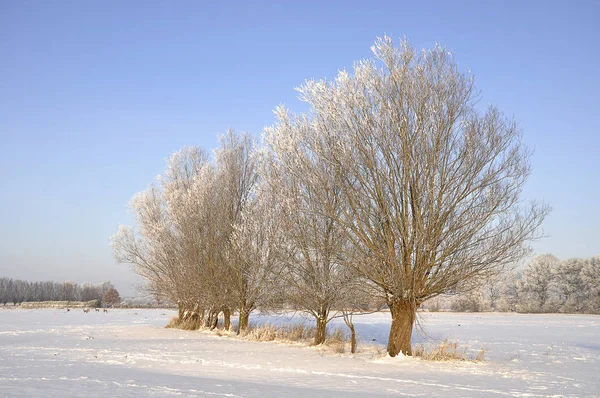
[
  {"x": 296, "y": 333},
  {"x": 337, "y": 341},
  {"x": 191, "y": 323},
  {"x": 480, "y": 356},
  {"x": 266, "y": 332},
  {"x": 338, "y": 336},
  {"x": 337, "y": 347},
  {"x": 290, "y": 333},
  {"x": 173, "y": 323},
  {"x": 446, "y": 351}
]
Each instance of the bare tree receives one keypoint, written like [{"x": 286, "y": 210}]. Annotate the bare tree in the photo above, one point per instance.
[
  {"x": 431, "y": 188},
  {"x": 258, "y": 256},
  {"x": 111, "y": 297},
  {"x": 236, "y": 170},
  {"x": 69, "y": 291},
  {"x": 91, "y": 292},
  {"x": 317, "y": 280},
  {"x": 169, "y": 248},
  {"x": 183, "y": 244}
]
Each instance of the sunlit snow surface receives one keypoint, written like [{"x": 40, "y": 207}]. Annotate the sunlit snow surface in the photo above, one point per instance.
[{"x": 129, "y": 353}]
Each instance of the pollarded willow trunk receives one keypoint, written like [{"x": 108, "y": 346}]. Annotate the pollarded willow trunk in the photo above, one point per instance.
[
  {"x": 243, "y": 320},
  {"x": 214, "y": 319},
  {"x": 321, "y": 328},
  {"x": 181, "y": 311},
  {"x": 226, "y": 318},
  {"x": 403, "y": 318}
]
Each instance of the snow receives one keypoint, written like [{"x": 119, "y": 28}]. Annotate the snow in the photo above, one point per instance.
[{"x": 129, "y": 353}]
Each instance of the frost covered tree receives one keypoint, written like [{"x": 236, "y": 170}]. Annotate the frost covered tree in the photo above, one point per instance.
[
  {"x": 236, "y": 179},
  {"x": 91, "y": 292},
  {"x": 493, "y": 290},
  {"x": 258, "y": 255},
  {"x": 590, "y": 276},
  {"x": 185, "y": 222},
  {"x": 70, "y": 291},
  {"x": 5, "y": 290},
  {"x": 317, "y": 280},
  {"x": 169, "y": 247},
  {"x": 569, "y": 285},
  {"x": 430, "y": 185},
  {"x": 538, "y": 281}
]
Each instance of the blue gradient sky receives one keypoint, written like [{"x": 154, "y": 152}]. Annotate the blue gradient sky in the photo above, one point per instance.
[{"x": 95, "y": 95}]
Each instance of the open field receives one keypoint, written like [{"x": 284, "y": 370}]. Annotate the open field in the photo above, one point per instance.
[{"x": 129, "y": 353}]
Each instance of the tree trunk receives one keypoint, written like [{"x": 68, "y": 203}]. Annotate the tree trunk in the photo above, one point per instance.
[
  {"x": 403, "y": 318},
  {"x": 226, "y": 318},
  {"x": 243, "y": 320},
  {"x": 214, "y": 319},
  {"x": 181, "y": 311},
  {"x": 350, "y": 324},
  {"x": 352, "y": 339},
  {"x": 321, "y": 330}
]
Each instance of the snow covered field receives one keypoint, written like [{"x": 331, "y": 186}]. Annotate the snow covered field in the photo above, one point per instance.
[{"x": 129, "y": 353}]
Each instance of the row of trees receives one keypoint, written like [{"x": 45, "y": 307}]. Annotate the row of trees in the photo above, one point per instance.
[
  {"x": 547, "y": 284},
  {"x": 18, "y": 291},
  {"x": 544, "y": 285},
  {"x": 394, "y": 189}
]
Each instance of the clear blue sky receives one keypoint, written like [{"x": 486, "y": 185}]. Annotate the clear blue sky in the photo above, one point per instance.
[{"x": 94, "y": 95}]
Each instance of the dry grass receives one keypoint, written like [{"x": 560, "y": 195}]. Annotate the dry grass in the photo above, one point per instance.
[
  {"x": 298, "y": 333},
  {"x": 337, "y": 341},
  {"x": 446, "y": 351},
  {"x": 289, "y": 333},
  {"x": 191, "y": 323},
  {"x": 263, "y": 333},
  {"x": 173, "y": 323}
]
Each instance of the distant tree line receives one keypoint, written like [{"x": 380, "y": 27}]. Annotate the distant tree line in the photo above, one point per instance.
[
  {"x": 544, "y": 285},
  {"x": 18, "y": 291}
]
